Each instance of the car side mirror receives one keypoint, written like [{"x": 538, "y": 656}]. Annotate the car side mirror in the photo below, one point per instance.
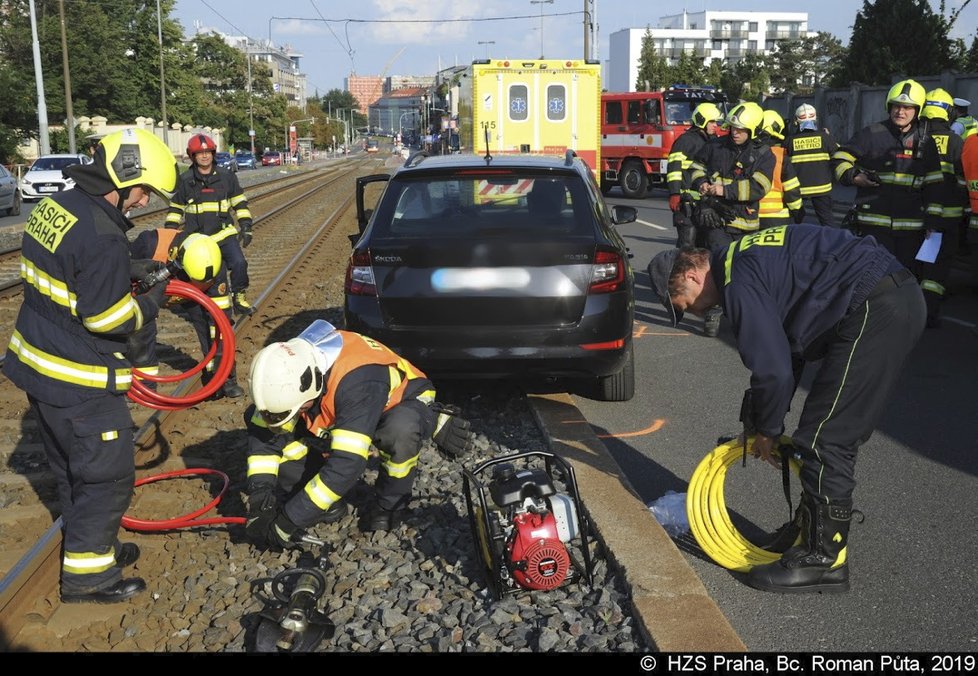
[{"x": 622, "y": 214}]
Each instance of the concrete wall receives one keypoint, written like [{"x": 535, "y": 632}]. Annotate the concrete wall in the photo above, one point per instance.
[{"x": 847, "y": 110}]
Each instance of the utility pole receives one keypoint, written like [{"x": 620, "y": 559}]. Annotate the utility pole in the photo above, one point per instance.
[
  {"x": 70, "y": 123},
  {"x": 251, "y": 105},
  {"x": 159, "y": 33},
  {"x": 42, "y": 109}
]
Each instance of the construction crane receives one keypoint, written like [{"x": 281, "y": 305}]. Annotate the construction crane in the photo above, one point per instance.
[{"x": 390, "y": 62}]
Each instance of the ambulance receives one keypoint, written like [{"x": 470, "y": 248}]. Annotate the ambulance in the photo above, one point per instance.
[
  {"x": 638, "y": 130},
  {"x": 533, "y": 106}
]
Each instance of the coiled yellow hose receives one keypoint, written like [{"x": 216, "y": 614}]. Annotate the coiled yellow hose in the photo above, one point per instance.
[{"x": 709, "y": 520}]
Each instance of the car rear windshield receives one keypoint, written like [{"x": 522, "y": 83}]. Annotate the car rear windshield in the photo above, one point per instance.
[
  {"x": 53, "y": 163},
  {"x": 486, "y": 205}
]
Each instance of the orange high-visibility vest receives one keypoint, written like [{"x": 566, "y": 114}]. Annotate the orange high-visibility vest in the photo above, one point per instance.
[
  {"x": 359, "y": 350},
  {"x": 772, "y": 204}
]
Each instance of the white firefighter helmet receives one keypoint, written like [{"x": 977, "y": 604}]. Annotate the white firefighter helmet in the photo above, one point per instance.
[
  {"x": 286, "y": 375},
  {"x": 805, "y": 112}
]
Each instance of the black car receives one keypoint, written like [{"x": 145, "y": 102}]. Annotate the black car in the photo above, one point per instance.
[{"x": 502, "y": 267}]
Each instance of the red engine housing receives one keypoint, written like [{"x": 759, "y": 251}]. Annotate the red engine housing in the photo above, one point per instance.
[{"x": 539, "y": 560}]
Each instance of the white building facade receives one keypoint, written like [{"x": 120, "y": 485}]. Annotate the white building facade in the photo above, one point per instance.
[{"x": 725, "y": 35}]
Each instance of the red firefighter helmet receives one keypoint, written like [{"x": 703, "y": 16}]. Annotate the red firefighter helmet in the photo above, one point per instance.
[{"x": 199, "y": 143}]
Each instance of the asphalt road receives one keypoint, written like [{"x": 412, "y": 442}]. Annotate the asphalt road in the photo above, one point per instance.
[{"x": 912, "y": 561}]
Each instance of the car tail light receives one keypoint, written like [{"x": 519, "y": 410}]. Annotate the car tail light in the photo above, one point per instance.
[
  {"x": 607, "y": 273},
  {"x": 360, "y": 275}
]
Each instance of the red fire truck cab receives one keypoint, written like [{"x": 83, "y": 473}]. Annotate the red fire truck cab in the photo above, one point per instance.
[{"x": 638, "y": 130}]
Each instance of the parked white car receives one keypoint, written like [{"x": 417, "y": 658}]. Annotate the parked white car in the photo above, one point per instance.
[{"x": 45, "y": 177}]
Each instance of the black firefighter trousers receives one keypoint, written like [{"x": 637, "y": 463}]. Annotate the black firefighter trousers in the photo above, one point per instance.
[
  {"x": 89, "y": 448},
  {"x": 858, "y": 373}
]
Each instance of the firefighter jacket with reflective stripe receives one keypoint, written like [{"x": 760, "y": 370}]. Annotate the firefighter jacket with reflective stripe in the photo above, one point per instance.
[
  {"x": 785, "y": 192},
  {"x": 69, "y": 341},
  {"x": 911, "y": 188},
  {"x": 949, "y": 147},
  {"x": 784, "y": 289},
  {"x": 969, "y": 164},
  {"x": 684, "y": 150},
  {"x": 965, "y": 126},
  {"x": 746, "y": 172},
  {"x": 366, "y": 380},
  {"x": 206, "y": 202},
  {"x": 161, "y": 244},
  {"x": 810, "y": 152}
]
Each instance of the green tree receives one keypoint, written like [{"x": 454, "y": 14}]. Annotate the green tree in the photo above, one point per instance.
[
  {"x": 18, "y": 112},
  {"x": 746, "y": 79},
  {"x": 824, "y": 55},
  {"x": 971, "y": 59},
  {"x": 653, "y": 71},
  {"x": 881, "y": 39},
  {"x": 689, "y": 69},
  {"x": 787, "y": 61}
]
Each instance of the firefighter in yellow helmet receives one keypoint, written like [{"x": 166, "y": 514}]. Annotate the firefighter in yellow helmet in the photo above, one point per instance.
[
  {"x": 783, "y": 200},
  {"x": 67, "y": 351},
  {"x": 938, "y": 108},
  {"x": 196, "y": 259},
  {"x": 706, "y": 120},
  {"x": 896, "y": 171},
  {"x": 731, "y": 176}
]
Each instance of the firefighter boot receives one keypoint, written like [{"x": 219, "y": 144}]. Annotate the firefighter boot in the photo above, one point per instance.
[
  {"x": 231, "y": 389},
  {"x": 127, "y": 554},
  {"x": 335, "y": 512},
  {"x": 379, "y": 519},
  {"x": 241, "y": 304},
  {"x": 711, "y": 321},
  {"x": 819, "y": 563}
]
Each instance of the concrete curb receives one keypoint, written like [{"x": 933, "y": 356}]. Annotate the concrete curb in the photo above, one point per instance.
[{"x": 670, "y": 602}]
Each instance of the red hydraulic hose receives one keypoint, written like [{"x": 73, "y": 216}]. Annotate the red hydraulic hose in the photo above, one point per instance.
[
  {"x": 145, "y": 396},
  {"x": 190, "y": 519}
]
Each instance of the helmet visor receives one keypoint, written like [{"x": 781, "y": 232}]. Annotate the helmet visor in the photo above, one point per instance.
[{"x": 276, "y": 419}]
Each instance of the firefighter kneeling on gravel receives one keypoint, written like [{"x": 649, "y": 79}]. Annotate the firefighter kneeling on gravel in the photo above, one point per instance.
[
  {"x": 358, "y": 393},
  {"x": 195, "y": 259}
]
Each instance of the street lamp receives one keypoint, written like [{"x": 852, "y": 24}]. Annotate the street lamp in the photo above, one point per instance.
[
  {"x": 541, "y": 3},
  {"x": 487, "y": 43}
]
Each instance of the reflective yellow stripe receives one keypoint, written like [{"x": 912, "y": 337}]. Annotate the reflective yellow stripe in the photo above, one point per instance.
[
  {"x": 816, "y": 189},
  {"x": 295, "y": 450},
  {"x": 320, "y": 494},
  {"x": 46, "y": 285},
  {"x": 225, "y": 232},
  {"x": 49, "y": 365},
  {"x": 220, "y": 206},
  {"x": 110, "y": 436},
  {"x": 263, "y": 464},
  {"x": 87, "y": 563},
  {"x": 223, "y": 302},
  {"x": 428, "y": 396},
  {"x": 243, "y": 214},
  {"x": 397, "y": 470},
  {"x": 351, "y": 442},
  {"x": 728, "y": 263},
  {"x": 932, "y": 286},
  {"x": 813, "y": 157},
  {"x": 118, "y": 314},
  {"x": 236, "y": 200}
]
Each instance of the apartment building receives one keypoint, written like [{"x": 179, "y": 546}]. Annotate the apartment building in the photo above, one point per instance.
[{"x": 725, "y": 35}]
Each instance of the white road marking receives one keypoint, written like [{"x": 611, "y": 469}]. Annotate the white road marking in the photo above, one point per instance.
[
  {"x": 959, "y": 322},
  {"x": 651, "y": 225}
]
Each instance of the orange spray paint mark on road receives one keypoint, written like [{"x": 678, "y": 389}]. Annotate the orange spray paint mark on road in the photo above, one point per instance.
[
  {"x": 642, "y": 330},
  {"x": 654, "y": 427}
]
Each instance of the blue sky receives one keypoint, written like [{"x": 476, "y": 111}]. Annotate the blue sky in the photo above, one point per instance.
[{"x": 457, "y": 31}]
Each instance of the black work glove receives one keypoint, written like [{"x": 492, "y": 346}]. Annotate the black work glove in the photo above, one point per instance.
[
  {"x": 453, "y": 433},
  {"x": 139, "y": 268},
  {"x": 798, "y": 215},
  {"x": 270, "y": 529},
  {"x": 246, "y": 235},
  {"x": 708, "y": 217},
  {"x": 262, "y": 500}
]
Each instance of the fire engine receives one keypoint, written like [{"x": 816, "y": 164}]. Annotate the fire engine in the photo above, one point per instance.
[
  {"x": 638, "y": 130},
  {"x": 537, "y": 106}
]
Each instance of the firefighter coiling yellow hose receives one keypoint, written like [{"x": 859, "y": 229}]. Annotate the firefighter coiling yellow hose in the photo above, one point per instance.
[{"x": 709, "y": 520}]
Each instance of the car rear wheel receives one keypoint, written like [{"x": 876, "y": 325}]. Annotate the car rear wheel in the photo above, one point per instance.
[
  {"x": 14, "y": 209},
  {"x": 633, "y": 181},
  {"x": 619, "y": 386}
]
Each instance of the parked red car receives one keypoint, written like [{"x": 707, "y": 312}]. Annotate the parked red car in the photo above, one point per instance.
[{"x": 271, "y": 159}]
